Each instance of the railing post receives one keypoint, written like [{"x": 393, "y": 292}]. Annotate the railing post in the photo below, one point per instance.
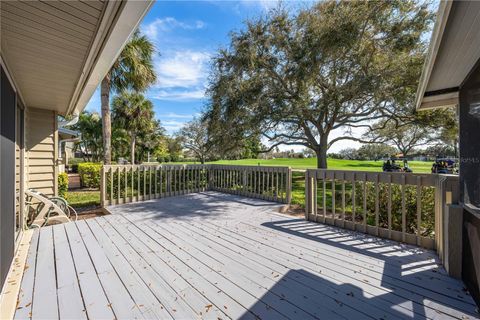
[
  {"x": 308, "y": 194},
  {"x": 102, "y": 187},
  {"x": 439, "y": 207},
  {"x": 289, "y": 185},
  {"x": 244, "y": 180}
]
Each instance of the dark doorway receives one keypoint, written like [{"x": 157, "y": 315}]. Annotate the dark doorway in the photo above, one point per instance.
[{"x": 7, "y": 175}]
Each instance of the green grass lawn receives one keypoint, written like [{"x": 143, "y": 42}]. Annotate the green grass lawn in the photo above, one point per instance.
[
  {"x": 80, "y": 199},
  {"x": 310, "y": 163}
]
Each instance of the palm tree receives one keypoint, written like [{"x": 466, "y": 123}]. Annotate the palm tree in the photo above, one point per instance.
[
  {"x": 90, "y": 126},
  {"x": 134, "y": 114},
  {"x": 133, "y": 70}
]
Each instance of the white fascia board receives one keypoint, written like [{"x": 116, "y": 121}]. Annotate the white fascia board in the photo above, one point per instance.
[{"x": 437, "y": 34}]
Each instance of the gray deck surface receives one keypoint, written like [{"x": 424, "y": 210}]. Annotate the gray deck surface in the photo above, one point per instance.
[{"x": 217, "y": 256}]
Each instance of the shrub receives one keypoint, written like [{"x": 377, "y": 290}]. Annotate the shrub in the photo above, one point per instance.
[
  {"x": 89, "y": 174},
  {"x": 62, "y": 184}
]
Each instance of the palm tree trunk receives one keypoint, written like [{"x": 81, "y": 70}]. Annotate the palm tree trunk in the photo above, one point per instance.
[
  {"x": 106, "y": 120},
  {"x": 132, "y": 149}
]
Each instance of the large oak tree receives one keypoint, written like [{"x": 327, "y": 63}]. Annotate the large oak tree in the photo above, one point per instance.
[{"x": 295, "y": 78}]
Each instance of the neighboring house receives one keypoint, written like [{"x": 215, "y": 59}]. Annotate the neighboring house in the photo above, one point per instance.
[
  {"x": 53, "y": 56},
  {"x": 66, "y": 145},
  {"x": 451, "y": 78}
]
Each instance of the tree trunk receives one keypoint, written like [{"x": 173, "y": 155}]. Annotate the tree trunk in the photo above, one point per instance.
[
  {"x": 132, "y": 149},
  {"x": 106, "y": 120},
  {"x": 321, "y": 152}
]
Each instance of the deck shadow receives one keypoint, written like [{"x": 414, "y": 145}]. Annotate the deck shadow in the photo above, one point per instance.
[{"x": 404, "y": 266}]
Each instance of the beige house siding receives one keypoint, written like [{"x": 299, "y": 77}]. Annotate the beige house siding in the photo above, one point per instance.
[{"x": 40, "y": 141}]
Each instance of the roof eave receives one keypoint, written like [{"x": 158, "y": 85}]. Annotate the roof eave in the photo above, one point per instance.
[
  {"x": 120, "y": 20},
  {"x": 436, "y": 39}
]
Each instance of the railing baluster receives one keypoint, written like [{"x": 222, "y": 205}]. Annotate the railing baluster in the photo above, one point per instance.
[
  {"x": 389, "y": 206},
  {"x": 138, "y": 182},
  {"x": 144, "y": 183},
  {"x": 377, "y": 205},
  {"x": 125, "y": 195},
  {"x": 365, "y": 202},
  {"x": 354, "y": 204},
  {"x": 314, "y": 195},
  {"x": 324, "y": 196},
  {"x": 133, "y": 189},
  {"x": 404, "y": 213},
  {"x": 119, "y": 185},
  {"x": 343, "y": 200},
  {"x": 111, "y": 185},
  {"x": 103, "y": 184},
  {"x": 333, "y": 196},
  {"x": 149, "y": 182},
  {"x": 419, "y": 209}
]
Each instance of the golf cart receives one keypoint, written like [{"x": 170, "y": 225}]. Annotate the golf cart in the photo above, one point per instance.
[
  {"x": 445, "y": 166},
  {"x": 390, "y": 165}
]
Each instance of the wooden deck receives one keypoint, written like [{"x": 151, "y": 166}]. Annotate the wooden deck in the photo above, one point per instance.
[{"x": 217, "y": 256}]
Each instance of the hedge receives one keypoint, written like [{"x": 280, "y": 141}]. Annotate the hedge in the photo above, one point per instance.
[
  {"x": 89, "y": 174},
  {"x": 62, "y": 184}
]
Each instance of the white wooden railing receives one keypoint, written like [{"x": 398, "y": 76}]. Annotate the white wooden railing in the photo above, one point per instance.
[
  {"x": 269, "y": 183},
  {"x": 405, "y": 207},
  {"x": 132, "y": 183}
]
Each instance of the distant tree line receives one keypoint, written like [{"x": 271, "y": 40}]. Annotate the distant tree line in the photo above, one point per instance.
[{"x": 383, "y": 151}]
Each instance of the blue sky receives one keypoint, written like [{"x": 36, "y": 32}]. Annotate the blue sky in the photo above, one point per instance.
[{"x": 187, "y": 34}]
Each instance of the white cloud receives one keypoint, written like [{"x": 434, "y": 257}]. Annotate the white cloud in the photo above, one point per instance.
[
  {"x": 182, "y": 69},
  {"x": 173, "y": 126},
  {"x": 177, "y": 115},
  {"x": 263, "y": 4},
  {"x": 179, "y": 95},
  {"x": 166, "y": 24}
]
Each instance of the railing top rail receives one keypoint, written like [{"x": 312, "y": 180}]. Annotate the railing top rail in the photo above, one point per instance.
[
  {"x": 200, "y": 166},
  {"x": 408, "y": 178},
  {"x": 157, "y": 165},
  {"x": 251, "y": 167}
]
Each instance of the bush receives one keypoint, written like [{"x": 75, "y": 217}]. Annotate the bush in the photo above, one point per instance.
[
  {"x": 62, "y": 184},
  {"x": 89, "y": 174}
]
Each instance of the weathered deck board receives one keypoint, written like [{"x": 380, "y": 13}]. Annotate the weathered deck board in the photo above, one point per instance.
[
  {"x": 140, "y": 291},
  {"x": 219, "y": 274},
  {"x": 278, "y": 249},
  {"x": 212, "y": 255},
  {"x": 171, "y": 300},
  {"x": 97, "y": 304},
  {"x": 278, "y": 260},
  {"x": 44, "y": 302},
  {"x": 219, "y": 300},
  {"x": 70, "y": 302},
  {"x": 25, "y": 296},
  {"x": 178, "y": 280},
  {"x": 121, "y": 302}
]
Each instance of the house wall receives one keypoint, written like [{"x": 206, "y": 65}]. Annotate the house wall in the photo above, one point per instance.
[{"x": 41, "y": 138}]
